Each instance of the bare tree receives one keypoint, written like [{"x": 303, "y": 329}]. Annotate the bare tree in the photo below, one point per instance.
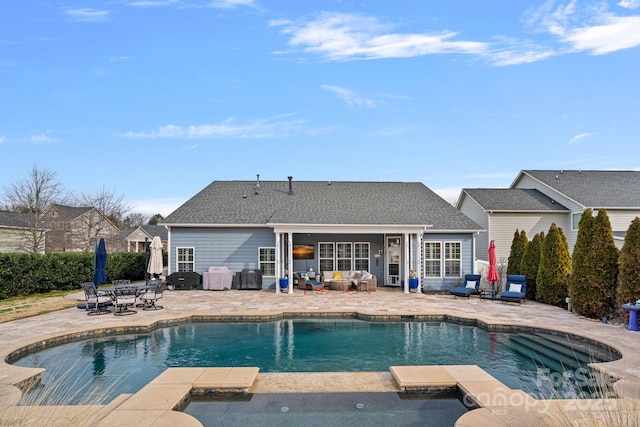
[
  {"x": 32, "y": 195},
  {"x": 135, "y": 219},
  {"x": 106, "y": 201},
  {"x": 107, "y": 221}
]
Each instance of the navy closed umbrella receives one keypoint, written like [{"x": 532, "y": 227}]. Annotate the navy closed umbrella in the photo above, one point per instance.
[{"x": 100, "y": 273}]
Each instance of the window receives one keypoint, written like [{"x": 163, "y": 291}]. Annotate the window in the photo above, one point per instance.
[
  {"x": 326, "y": 253},
  {"x": 344, "y": 256},
  {"x": 432, "y": 259},
  {"x": 361, "y": 256},
  {"x": 186, "y": 259},
  {"x": 267, "y": 261},
  {"x": 576, "y": 217},
  {"x": 452, "y": 259}
]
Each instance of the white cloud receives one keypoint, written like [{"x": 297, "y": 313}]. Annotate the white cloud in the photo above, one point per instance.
[
  {"x": 2, "y": 138},
  {"x": 629, "y": 4},
  {"x": 232, "y": 4},
  {"x": 592, "y": 29},
  {"x": 617, "y": 33},
  {"x": 451, "y": 195},
  {"x": 342, "y": 37},
  {"x": 350, "y": 97},
  {"x": 152, "y": 3},
  {"x": 151, "y": 207},
  {"x": 257, "y": 129},
  {"x": 580, "y": 136},
  {"x": 87, "y": 15},
  {"x": 41, "y": 138}
]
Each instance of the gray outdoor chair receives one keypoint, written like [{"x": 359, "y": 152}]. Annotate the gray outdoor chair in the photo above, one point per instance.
[
  {"x": 152, "y": 295},
  {"x": 124, "y": 299},
  {"x": 96, "y": 302}
]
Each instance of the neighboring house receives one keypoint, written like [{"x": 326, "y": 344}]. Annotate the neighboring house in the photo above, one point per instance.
[
  {"x": 17, "y": 233},
  {"x": 538, "y": 198},
  {"x": 73, "y": 229},
  {"x": 144, "y": 234},
  {"x": 386, "y": 228}
]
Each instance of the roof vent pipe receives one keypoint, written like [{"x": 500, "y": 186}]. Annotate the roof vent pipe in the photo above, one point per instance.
[
  {"x": 290, "y": 185},
  {"x": 257, "y": 183}
]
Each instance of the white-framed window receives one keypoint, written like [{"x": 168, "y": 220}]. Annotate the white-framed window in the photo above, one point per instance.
[
  {"x": 577, "y": 216},
  {"x": 432, "y": 259},
  {"x": 452, "y": 259},
  {"x": 186, "y": 259},
  {"x": 267, "y": 261},
  {"x": 326, "y": 255},
  {"x": 361, "y": 255},
  {"x": 344, "y": 255}
]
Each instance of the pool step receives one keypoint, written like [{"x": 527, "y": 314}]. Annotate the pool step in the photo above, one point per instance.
[
  {"x": 541, "y": 360},
  {"x": 553, "y": 355},
  {"x": 588, "y": 353}
]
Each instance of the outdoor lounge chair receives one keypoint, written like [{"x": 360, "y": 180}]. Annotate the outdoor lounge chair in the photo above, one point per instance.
[
  {"x": 96, "y": 302},
  {"x": 152, "y": 295},
  {"x": 308, "y": 284},
  {"x": 471, "y": 285},
  {"x": 516, "y": 289}
]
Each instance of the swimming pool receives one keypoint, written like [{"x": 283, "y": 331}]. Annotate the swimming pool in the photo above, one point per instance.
[{"x": 520, "y": 360}]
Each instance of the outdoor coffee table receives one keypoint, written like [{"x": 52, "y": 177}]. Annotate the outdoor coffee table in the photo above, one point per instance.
[{"x": 339, "y": 285}]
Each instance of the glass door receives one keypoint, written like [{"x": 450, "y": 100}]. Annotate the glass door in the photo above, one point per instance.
[{"x": 393, "y": 258}]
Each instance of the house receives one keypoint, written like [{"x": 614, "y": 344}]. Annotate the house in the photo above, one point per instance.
[
  {"x": 538, "y": 198},
  {"x": 17, "y": 233},
  {"x": 76, "y": 228},
  {"x": 386, "y": 228},
  {"x": 143, "y": 234}
]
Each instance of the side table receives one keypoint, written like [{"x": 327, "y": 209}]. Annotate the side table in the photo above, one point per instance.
[{"x": 633, "y": 316}]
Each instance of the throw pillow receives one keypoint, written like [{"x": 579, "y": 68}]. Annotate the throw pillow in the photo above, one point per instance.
[
  {"x": 366, "y": 275},
  {"x": 337, "y": 275},
  {"x": 471, "y": 285},
  {"x": 515, "y": 288}
]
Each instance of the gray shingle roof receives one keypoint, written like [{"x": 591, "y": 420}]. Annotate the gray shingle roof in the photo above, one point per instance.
[
  {"x": 321, "y": 203},
  {"x": 503, "y": 199},
  {"x": 15, "y": 219},
  {"x": 70, "y": 212},
  {"x": 595, "y": 189},
  {"x": 156, "y": 230}
]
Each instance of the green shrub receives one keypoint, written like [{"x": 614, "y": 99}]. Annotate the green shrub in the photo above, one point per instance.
[
  {"x": 629, "y": 266},
  {"x": 531, "y": 262},
  {"x": 555, "y": 265},
  {"x": 26, "y": 274},
  {"x": 518, "y": 245}
]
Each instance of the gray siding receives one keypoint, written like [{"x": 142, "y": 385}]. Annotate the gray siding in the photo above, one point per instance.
[
  {"x": 467, "y": 267},
  {"x": 234, "y": 248}
]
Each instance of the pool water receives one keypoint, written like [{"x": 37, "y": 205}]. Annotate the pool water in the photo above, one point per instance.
[{"x": 125, "y": 363}]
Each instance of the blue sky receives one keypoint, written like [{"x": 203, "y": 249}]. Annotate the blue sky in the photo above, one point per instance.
[{"x": 154, "y": 99}]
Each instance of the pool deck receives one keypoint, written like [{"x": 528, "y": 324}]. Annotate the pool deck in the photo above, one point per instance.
[{"x": 154, "y": 405}]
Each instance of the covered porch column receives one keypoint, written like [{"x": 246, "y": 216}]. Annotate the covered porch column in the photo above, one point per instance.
[
  {"x": 406, "y": 262},
  {"x": 279, "y": 267}
]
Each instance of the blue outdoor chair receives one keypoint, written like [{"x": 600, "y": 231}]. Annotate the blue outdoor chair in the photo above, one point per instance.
[
  {"x": 516, "y": 289},
  {"x": 471, "y": 285}
]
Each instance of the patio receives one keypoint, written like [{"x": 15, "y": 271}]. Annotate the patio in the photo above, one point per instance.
[{"x": 172, "y": 388}]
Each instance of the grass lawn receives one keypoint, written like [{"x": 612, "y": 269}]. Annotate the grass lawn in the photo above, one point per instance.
[{"x": 20, "y": 307}]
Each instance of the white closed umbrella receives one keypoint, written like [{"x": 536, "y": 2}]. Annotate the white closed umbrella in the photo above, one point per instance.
[{"x": 155, "y": 261}]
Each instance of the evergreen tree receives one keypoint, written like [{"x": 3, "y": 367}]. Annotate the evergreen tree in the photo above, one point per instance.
[
  {"x": 629, "y": 266},
  {"x": 604, "y": 277},
  {"x": 555, "y": 266},
  {"x": 517, "y": 250},
  {"x": 531, "y": 262},
  {"x": 579, "y": 285}
]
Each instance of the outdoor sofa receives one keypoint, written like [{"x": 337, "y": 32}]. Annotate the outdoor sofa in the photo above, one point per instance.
[{"x": 361, "y": 280}]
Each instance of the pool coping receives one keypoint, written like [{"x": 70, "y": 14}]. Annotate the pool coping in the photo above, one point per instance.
[{"x": 497, "y": 402}]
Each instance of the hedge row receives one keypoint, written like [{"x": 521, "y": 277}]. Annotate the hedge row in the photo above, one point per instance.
[{"x": 26, "y": 274}]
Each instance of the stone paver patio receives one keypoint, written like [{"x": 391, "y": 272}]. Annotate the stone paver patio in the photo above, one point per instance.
[{"x": 154, "y": 404}]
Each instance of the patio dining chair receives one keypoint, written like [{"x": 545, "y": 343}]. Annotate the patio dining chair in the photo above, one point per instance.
[
  {"x": 124, "y": 299},
  {"x": 96, "y": 302},
  {"x": 152, "y": 295}
]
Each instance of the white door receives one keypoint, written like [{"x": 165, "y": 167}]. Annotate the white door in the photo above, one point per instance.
[{"x": 393, "y": 259}]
